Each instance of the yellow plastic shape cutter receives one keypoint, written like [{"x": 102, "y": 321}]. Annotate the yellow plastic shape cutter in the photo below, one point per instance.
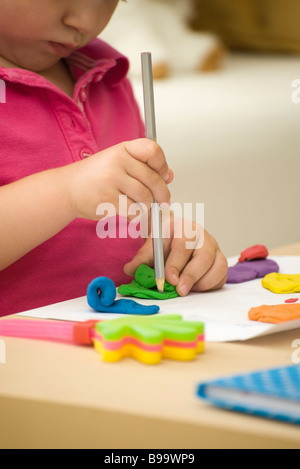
[{"x": 149, "y": 339}]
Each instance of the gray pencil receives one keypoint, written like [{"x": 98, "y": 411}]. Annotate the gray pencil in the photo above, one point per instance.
[{"x": 156, "y": 215}]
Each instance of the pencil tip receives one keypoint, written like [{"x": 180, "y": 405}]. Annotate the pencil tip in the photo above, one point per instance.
[{"x": 160, "y": 283}]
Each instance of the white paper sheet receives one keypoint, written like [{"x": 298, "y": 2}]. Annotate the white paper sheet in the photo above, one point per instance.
[{"x": 224, "y": 312}]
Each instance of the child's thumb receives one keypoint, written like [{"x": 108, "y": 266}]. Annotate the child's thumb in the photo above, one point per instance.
[{"x": 143, "y": 256}]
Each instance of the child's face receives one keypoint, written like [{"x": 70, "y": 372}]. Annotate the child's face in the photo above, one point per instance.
[{"x": 28, "y": 29}]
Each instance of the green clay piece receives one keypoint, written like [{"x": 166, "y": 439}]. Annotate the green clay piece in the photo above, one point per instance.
[
  {"x": 151, "y": 330},
  {"x": 144, "y": 286},
  {"x": 138, "y": 291},
  {"x": 145, "y": 276}
]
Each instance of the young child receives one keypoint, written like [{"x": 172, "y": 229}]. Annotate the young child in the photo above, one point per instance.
[{"x": 71, "y": 139}]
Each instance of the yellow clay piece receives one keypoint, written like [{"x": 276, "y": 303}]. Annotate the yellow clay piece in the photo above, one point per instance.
[{"x": 282, "y": 283}]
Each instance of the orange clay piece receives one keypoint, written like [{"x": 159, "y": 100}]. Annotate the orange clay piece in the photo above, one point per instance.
[{"x": 275, "y": 314}]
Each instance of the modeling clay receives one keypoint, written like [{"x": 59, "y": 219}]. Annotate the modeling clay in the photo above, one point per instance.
[
  {"x": 282, "y": 283},
  {"x": 243, "y": 272},
  {"x": 275, "y": 314},
  {"x": 258, "y": 251},
  {"x": 101, "y": 294},
  {"x": 148, "y": 339},
  {"x": 144, "y": 286},
  {"x": 291, "y": 300}
]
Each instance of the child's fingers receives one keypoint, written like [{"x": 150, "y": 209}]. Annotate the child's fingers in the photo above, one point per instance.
[
  {"x": 181, "y": 250},
  {"x": 149, "y": 152},
  {"x": 216, "y": 276},
  {"x": 137, "y": 191},
  {"x": 103, "y": 210},
  {"x": 143, "y": 181},
  {"x": 190, "y": 270},
  {"x": 144, "y": 256},
  {"x": 177, "y": 260},
  {"x": 195, "y": 270},
  {"x": 171, "y": 177}
]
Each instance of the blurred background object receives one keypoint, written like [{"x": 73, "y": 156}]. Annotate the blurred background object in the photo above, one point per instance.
[
  {"x": 163, "y": 27},
  {"x": 262, "y": 25},
  {"x": 231, "y": 137}
]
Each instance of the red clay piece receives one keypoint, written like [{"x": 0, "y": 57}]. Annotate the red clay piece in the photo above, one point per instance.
[{"x": 259, "y": 251}]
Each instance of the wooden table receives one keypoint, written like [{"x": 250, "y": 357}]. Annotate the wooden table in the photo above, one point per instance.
[{"x": 58, "y": 396}]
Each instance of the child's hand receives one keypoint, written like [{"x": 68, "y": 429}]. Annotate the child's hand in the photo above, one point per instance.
[
  {"x": 137, "y": 169},
  {"x": 196, "y": 269}
]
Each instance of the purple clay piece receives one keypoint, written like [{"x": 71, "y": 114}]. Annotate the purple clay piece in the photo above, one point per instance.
[
  {"x": 250, "y": 270},
  {"x": 240, "y": 273}
]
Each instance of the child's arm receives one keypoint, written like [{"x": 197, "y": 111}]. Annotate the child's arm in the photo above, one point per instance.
[
  {"x": 35, "y": 208},
  {"x": 32, "y": 210}
]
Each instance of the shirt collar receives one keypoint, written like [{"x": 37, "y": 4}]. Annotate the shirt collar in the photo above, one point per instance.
[{"x": 98, "y": 58}]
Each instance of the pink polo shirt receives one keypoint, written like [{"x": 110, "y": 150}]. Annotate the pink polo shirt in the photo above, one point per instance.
[{"x": 43, "y": 128}]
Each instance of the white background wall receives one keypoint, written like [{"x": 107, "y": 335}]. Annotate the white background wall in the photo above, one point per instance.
[{"x": 233, "y": 140}]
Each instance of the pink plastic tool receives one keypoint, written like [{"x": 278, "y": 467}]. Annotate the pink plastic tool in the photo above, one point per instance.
[{"x": 61, "y": 331}]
